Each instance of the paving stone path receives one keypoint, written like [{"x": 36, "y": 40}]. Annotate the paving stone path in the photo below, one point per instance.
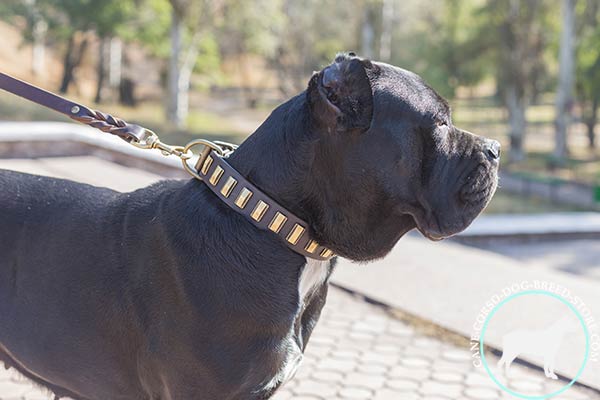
[{"x": 360, "y": 351}]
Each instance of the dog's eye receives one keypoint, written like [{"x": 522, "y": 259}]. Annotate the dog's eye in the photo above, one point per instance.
[
  {"x": 440, "y": 123},
  {"x": 332, "y": 97}
]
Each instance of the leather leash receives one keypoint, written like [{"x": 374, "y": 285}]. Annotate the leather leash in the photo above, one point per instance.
[
  {"x": 211, "y": 168},
  {"x": 105, "y": 122}
]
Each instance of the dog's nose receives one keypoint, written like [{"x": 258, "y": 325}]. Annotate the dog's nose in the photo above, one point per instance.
[{"x": 492, "y": 149}]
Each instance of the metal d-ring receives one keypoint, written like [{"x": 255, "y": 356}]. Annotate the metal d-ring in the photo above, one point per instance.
[{"x": 199, "y": 142}]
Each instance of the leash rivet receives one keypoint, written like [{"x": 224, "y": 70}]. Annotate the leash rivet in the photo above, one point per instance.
[{"x": 74, "y": 110}]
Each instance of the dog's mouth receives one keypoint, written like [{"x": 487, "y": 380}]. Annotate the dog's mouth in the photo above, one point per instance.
[
  {"x": 479, "y": 186},
  {"x": 429, "y": 228},
  {"x": 433, "y": 236},
  {"x": 454, "y": 212}
]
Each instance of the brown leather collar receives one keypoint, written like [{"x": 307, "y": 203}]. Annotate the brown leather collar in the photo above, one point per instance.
[{"x": 262, "y": 211}]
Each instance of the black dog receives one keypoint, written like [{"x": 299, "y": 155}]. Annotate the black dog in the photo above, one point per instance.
[{"x": 166, "y": 293}]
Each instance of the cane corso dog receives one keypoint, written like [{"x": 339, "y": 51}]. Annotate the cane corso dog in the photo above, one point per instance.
[{"x": 167, "y": 293}]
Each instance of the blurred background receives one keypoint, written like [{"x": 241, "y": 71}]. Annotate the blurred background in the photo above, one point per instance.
[{"x": 524, "y": 72}]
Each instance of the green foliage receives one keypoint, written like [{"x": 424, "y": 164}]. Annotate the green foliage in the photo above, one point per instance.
[
  {"x": 152, "y": 27},
  {"x": 209, "y": 60},
  {"x": 251, "y": 26},
  {"x": 451, "y": 43},
  {"x": 11, "y": 8},
  {"x": 442, "y": 43},
  {"x": 516, "y": 41},
  {"x": 311, "y": 34},
  {"x": 105, "y": 17},
  {"x": 111, "y": 17},
  {"x": 588, "y": 53}
]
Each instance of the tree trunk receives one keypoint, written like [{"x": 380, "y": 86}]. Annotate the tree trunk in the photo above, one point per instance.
[
  {"x": 38, "y": 53},
  {"x": 367, "y": 35},
  {"x": 185, "y": 77},
  {"x": 175, "y": 114},
  {"x": 115, "y": 62},
  {"x": 387, "y": 22},
  {"x": 67, "y": 65},
  {"x": 101, "y": 70},
  {"x": 566, "y": 80},
  {"x": 180, "y": 72},
  {"x": 518, "y": 124},
  {"x": 590, "y": 123},
  {"x": 248, "y": 89},
  {"x": 73, "y": 57}
]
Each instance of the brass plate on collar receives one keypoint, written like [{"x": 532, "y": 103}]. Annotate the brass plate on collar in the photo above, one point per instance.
[
  {"x": 259, "y": 211},
  {"x": 311, "y": 246},
  {"x": 228, "y": 186},
  {"x": 243, "y": 198},
  {"x": 326, "y": 253},
  {"x": 295, "y": 234},
  {"x": 206, "y": 166},
  {"x": 216, "y": 175},
  {"x": 277, "y": 222}
]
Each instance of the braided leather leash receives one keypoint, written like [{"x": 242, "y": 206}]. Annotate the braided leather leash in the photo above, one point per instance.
[
  {"x": 223, "y": 180},
  {"x": 105, "y": 122}
]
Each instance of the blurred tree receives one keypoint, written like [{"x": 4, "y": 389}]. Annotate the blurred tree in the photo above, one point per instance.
[
  {"x": 566, "y": 80},
  {"x": 110, "y": 18},
  {"x": 183, "y": 34},
  {"x": 78, "y": 19},
  {"x": 587, "y": 84},
  {"x": 151, "y": 27},
  {"x": 39, "y": 28},
  {"x": 178, "y": 85},
  {"x": 388, "y": 17},
  {"x": 371, "y": 28},
  {"x": 439, "y": 41},
  {"x": 72, "y": 21},
  {"x": 250, "y": 29},
  {"x": 512, "y": 37},
  {"x": 35, "y": 30},
  {"x": 191, "y": 24},
  {"x": 310, "y": 35}
]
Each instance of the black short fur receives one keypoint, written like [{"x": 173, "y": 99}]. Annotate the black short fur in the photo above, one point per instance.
[{"x": 166, "y": 293}]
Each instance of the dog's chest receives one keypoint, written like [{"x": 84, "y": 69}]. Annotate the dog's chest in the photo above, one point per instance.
[
  {"x": 314, "y": 274},
  {"x": 312, "y": 278}
]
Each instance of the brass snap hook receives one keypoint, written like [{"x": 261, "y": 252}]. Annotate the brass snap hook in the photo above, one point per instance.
[
  {"x": 148, "y": 142},
  {"x": 208, "y": 147}
]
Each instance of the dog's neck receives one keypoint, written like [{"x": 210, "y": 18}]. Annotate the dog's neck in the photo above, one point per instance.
[
  {"x": 281, "y": 159},
  {"x": 302, "y": 170},
  {"x": 277, "y": 157}
]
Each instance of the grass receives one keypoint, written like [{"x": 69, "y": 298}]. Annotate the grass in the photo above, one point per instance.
[
  {"x": 484, "y": 117},
  {"x": 580, "y": 166},
  {"x": 506, "y": 203}
]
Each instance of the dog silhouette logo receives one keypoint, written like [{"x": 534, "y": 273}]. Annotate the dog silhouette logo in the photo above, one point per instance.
[{"x": 541, "y": 342}]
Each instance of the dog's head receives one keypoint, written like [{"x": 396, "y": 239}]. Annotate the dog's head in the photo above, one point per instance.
[{"x": 389, "y": 159}]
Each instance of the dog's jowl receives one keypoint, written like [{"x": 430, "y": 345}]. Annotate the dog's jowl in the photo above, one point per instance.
[{"x": 167, "y": 293}]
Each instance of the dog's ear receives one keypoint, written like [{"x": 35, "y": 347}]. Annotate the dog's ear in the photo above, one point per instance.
[{"x": 340, "y": 96}]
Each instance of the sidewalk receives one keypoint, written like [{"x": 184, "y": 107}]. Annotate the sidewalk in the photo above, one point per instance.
[
  {"x": 359, "y": 351},
  {"x": 448, "y": 284},
  {"x": 535, "y": 225}
]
